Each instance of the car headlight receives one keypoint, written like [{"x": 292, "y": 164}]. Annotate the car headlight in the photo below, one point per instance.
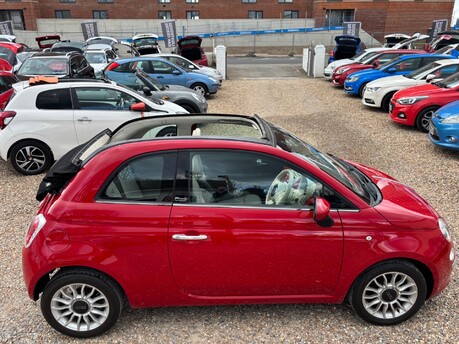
[
  {"x": 214, "y": 80},
  {"x": 342, "y": 70},
  {"x": 444, "y": 229},
  {"x": 410, "y": 100},
  {"x": 451, "y": 120},
  {"x": 352, "y": 78},
  {"x": 372, "y": 89},
  {"x": 198, "y": 97}
]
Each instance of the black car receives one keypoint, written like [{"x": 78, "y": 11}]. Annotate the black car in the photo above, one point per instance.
[{"x": 61, "y": 65}]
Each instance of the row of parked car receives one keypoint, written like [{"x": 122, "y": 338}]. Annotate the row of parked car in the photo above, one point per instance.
[
  {"x": 56, "y": 101},
  {"x": 417, "y": 87}
]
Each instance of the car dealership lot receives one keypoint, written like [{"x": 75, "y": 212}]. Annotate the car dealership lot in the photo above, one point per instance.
[{"x": 329, "y": 120}]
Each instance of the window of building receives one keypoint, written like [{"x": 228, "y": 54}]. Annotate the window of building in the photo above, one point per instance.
[
  {"x": 285, "y": 1},
  {"x": 192, "y": 14},
  {"x": 255, "y": 15},
  {"x": 66, "y": 1},
  {"x": 62, "y": 14},
  {"x": 191, "y": 1},
  {"x": 164, "y": 1},
  {"x": 100, "y": 14},
  {"x": 16, "y": 16},
  {"x": 249, "y": 1},
  {"x": 105, "y": 1},
  {"x": 291, "y": 14},
  {"x": 338, "y": 17},
  {"x": 164, "y": 15}
]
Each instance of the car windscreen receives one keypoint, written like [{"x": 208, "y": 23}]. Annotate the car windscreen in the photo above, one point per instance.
[
  {"x": 419, "y": 73},
  {"x": 325, "y": 162},
  {"x": 145, "y": 41},
  {"x": 95, "y": 57},
  {"x": 44, "y": 66}
]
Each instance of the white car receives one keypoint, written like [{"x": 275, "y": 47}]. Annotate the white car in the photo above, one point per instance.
[
  {"x": 99, "y": 56},
  {"x": 378, "y": 93},
  {"x": 406, "y": 44},
  {"x": 187, "y": 64},
  {"x": 43, "y": 121}
]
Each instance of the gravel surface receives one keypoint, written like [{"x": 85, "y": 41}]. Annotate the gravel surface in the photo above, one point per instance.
[{"x": 331, "y": 121}]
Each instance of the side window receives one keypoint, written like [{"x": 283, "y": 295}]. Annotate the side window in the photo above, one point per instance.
[
  {"x": 99, "y": 98},
  {"x": 161, "y": 67},
  {"x": 58, "y": 99},
  {"x": 408, "y": 65},
  {"x": 124, "y": 68},
  {"x": 149, "y": 178},
  {"x": 385, "y": 58},
  {"x": 427, "y": 60},
  {"x": 252, "y": 179},
  {"x": 446, "y": 71}
]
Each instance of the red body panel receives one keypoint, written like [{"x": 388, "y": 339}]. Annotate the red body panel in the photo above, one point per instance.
[
  {"x": 251, "y": 255},
  {"x": 338, "y": 79}
]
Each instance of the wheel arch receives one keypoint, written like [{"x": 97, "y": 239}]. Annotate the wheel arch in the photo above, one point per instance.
[
  {"x": 189, "y": 104},
  {"x": 8, "y": 154}
]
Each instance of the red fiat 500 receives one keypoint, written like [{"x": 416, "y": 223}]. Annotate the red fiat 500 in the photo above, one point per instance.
[{"x": 261, "y": 217}]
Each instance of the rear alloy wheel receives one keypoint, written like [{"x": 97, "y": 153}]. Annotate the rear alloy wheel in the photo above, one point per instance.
[
  {"x": 389, "y": 293},
  {"x": 200, "y": 88},
  {"x": 386, "y": 101},
  {"x": 30, "y": 157},
  {"x": 423, "y": 119}
]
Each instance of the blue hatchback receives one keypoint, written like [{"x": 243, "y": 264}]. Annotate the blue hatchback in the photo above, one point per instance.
[
  {"x": 444, "y": 126},
  {"x": 356, "y": 82},
  {"x": 122, "y": 72}
]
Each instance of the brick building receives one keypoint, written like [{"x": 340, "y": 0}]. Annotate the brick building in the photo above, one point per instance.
[{"x": 377, "y": 16}]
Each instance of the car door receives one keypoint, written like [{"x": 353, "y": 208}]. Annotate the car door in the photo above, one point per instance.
[
  {"x": 167, "y": 73},
  {"x": 226, "y": 239},
  {"x": 98, "y": 108}
]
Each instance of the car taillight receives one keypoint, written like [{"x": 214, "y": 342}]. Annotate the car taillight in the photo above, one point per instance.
[
  {"x": 5, "y": 118},
  {"x": 111, "y": 66},
  {"x": 35, "y": 227}
]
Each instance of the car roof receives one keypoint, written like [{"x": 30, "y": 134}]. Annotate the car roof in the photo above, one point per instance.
[{"x": 54, "y": 54}]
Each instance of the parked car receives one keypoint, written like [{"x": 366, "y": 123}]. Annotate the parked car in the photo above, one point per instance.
[
  {"x": 190, "y": 48},
  {"x": 69, "y": 46},
  {"x": 7, "y": 79},
  {"x": 441, "y": 40},
  {"x": 46, "y": 42},
  {"x": 99, "y": 56},
  {"x": 7, "y": 38},
  {"x": 8, "y": 51},
  {"x": 356, "y": 82},
  {"x": 343, "y": 231},
  {"x": 146, "y": 43},
  {"x": 191, "y": 101},
  {"x": 166, "y": 72},
  {"x": 378, "y": 93},
  {"x": 101, "y": 40},
  {"x": 415, "y": 106},
  {"x": 21, "y": 57},
  {"x": 187, "y": 64},
  {"x": 393, "y": 39},
  {"x": 340, "y": 74},
  {"x": 60, "y": 65},
  {"x": 444, "y": 127},
  {"x": 346, "y": 47},
  {"x": 43, "y": 121}
]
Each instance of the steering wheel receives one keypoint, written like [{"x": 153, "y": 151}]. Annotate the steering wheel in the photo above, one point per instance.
[{"x": 280, "y": 187}]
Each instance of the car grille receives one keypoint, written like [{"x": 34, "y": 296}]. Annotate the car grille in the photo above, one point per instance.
[{"x": 369, "y": 101}]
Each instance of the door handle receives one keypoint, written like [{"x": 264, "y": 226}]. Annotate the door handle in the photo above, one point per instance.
[
  {"x": 183, "y": 237},
  {"x": 84, "y": 119}
]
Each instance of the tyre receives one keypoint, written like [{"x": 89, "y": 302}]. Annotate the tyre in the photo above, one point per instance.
[
  {"x": 200, "y": 88},
  {"x": 386, "y": 101},
  {"x": 389, "y": 293},
  {"x": 168, "y": 131},
  {"x": 362, "y": 90},
  {"x": 188, "y": 108},
  {"x": 31, "y": 157},
  {"x": 81, "y": 303},
  {"x": 423, "y": 118}
]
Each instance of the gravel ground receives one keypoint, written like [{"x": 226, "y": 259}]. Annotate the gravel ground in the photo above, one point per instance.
[{"x": 332, "y": 122}]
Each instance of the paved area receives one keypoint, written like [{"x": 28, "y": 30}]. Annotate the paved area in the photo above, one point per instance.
[
  {"x": 332, "y": 122},
  {"x": 264, "y": 67}
]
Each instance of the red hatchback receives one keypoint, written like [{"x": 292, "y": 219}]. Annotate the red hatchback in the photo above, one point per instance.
[
  {"x": 204, "y": 219},
  {"x": 340, "y": 74},
  {"x": 415, "y": 106},
  {"x": 190, "y": 48},
  {"x": 7, "y": 79}
]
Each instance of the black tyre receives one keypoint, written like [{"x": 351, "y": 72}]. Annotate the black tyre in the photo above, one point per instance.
[
  {"x": 389, "y": 293},
  {"x": 200, "y": 88},
  {"x": 81, "y": 303},
  {"x": 168, "y": 131},
  {"x": 386, "y": 101},
  {"x": 423, "y": 118},
  {"x": 189, "y": 108},
  {"x": 362, "y": 90},
  {"x": 31, "y": 157}
]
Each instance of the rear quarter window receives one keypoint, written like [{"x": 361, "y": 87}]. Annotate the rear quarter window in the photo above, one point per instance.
[{"x": 58, "y": 99}]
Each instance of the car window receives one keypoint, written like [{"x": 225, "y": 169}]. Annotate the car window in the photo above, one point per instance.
[
  {"x": 407, "y": 65},
  {"x": 179, "y": 62},
  {"x": 58, "y": 99},
  {"x": 100, "y": 98},
  {"x": 44, "y": 66},
  {"x": 427, "y": 60},
  {"x": 5, "y": 83},
  {"x": 446, "y": 71},
  {"x": 148, "y": 178},
  {"x": 96, "y": 57},
  {"x": 124, "y": 68},
  {"x": 161, "y": 67},
  {"x": 252, "y": 179}
]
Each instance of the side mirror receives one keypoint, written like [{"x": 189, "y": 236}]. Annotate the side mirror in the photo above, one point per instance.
[
  {"x": 140, "y": 107},
  {"x": 430, "y": 77},
  {"x": 392, "y": 70},
  {"x": 176, "y": 72},
  {"x": 375, "y": 64},
  {"x": 321, "y": 212},
  {"x": 146, "y": 91}
]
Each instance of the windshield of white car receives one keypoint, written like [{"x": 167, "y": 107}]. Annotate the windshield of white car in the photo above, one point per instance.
[
  {"x": 327, "y": 163},
  {"x": 418, "y": 73}
]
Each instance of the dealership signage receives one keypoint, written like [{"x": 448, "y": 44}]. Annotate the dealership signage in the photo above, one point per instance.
[
  {"x": 6, "y": 28},
  {"x": 89, "y": 29},
  {"x": 352, "y": 28},
  {"x": 438, "y": 26},
  {"x": 169, "y": 33}
]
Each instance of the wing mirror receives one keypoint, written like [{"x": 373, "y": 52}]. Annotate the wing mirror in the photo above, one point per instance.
[
  {"x": 321, "y": 212},
  {"x": 430, "y": 77},
  {"x": 138, "y": 107},
  {"x": 176, "y": 72},
  {"x": 146, "y": 91}
]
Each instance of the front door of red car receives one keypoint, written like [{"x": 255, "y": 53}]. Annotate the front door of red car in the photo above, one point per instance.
[{"x": 245, "y": 229}]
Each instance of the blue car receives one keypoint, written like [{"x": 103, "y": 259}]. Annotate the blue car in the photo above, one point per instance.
[
  {"x": 122, "y": 72},
  {"x": 346, "y": 47},
  {"x": 356, "y": 82},
  {"x": 444, "y": 126}
]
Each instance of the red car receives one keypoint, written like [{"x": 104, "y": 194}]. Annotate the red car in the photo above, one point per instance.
[
  {"x": 340, "y": 74},
  {"x": 9, "y": 50},
  {"x": 190, "y": 48},
  {"x": 415, "y": 106},
  {"x": 239, "y": 211},
  {"x": 7, "y": 79}
]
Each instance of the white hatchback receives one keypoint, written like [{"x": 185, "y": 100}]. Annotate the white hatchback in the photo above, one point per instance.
[{"x": 41, "y": 122}]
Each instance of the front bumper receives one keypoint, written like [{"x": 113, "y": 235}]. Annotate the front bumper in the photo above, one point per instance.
[
  {"x": 444, "y": 135},
  {"x": 372, "y": 99},
  {"x": 403, "y": 114},
  {"x": 351, "y": 88}
]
